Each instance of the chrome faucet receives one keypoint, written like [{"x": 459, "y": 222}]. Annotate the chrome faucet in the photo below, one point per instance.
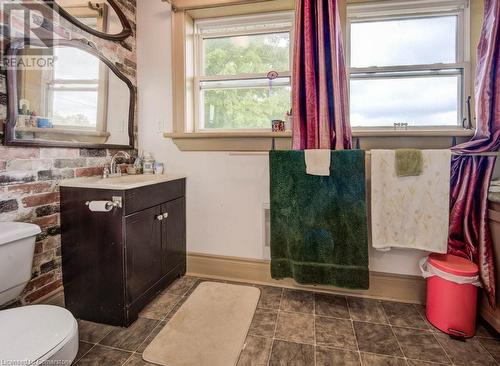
[{"x": 114, "y": 172}]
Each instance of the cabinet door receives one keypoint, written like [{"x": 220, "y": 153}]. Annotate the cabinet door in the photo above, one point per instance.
[
  {"x": 174, "y": 234},
  {"x": 143, "y": 251}
]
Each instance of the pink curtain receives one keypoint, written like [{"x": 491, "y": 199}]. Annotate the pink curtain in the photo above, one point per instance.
[
  {"x": 470, "y": 176},
  {"x": 319, "y": 92}
]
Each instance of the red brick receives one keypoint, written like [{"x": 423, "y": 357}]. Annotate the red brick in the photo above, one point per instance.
[
  {"x": 59, "y": 153},
  {"x": 49, "y": 266},
  {"x": 9, "y": 153},
  {"x": 41, "y": 199},
  {"x": 38, "y": 247},
  {"x": 55, "y": 174},
  {"x": 8, "y": 206},
  {"x": 93, "y": 153},
  {"x": 88, "y": 172},
  {"x": 58, "y": 273},
  {"x": 42, "y": 258},
  {"x": 47, "y": 210},
  {"x": 46, "y": 221},
  {"x": 38, "y": 187},
  {"x": 41, "y": 292},
  {"x": 51, "y": 242},
  {"x": 40, "y": 281},
  {"x": 17, "y": 177},
  {"x": 69, "y": 163},
  {"x": 3, "y": 165}
]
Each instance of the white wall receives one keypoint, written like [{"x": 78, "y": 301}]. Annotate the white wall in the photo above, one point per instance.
[{"x": 225, "y": 192}]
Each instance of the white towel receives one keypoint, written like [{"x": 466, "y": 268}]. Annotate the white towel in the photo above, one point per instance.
[
  {"x": 317, "y": 162},
  {"x": 410, "y": 212}
]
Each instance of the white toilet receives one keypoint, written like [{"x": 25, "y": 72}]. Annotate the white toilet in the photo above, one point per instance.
[{"x": 35, "y": 334}]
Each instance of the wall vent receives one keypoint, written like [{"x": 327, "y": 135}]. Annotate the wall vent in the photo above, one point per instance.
[{"x": 266, "y": 231}]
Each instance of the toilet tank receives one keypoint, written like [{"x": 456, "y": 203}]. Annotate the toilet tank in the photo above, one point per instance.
[{"x": 17, "y": 245}]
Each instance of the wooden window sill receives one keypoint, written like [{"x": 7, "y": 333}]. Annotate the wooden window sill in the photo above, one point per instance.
[
  {"x": 64, "y": 131},
  {"x": 65, "y": 134},
  {"x": 231, "y": 141},
  {"x": 263, "y": 140},
  {"x": 227, "y": 134}
]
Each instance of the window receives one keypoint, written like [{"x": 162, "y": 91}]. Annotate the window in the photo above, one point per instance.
[
  {"x": 75, "y": 99},
  {"x": 234, "y": 57},
  {"x": 408, "y": 63}
]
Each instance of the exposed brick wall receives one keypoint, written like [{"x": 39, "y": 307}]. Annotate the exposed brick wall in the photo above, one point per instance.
[
  {"x": 29, "y": 192},
  {"x": 29, "y": 177}
]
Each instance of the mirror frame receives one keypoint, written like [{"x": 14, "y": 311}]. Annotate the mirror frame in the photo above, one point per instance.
[
  {"x": 12, "y": 49},
  {"x": 126, "y": 26}
]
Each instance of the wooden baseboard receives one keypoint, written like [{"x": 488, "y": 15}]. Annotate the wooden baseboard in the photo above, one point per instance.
[
  {"x": 384, "y": 286},
  {"x": 490, "y": 314}
]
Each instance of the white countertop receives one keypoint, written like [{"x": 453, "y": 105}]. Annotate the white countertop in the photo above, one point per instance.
[{"x": 119, "y": 183}]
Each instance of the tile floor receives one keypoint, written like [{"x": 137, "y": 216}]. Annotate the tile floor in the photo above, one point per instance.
[{"x": 292, "y": 327}]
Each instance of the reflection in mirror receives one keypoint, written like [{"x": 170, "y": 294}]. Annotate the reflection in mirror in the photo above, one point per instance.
[
  {"x": 102, "y": 18},
  {"x": 70, "y": 96},
  {"x": 96, "y": 15}
]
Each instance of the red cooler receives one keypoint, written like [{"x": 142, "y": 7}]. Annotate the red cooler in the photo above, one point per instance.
[{"x": 451, "y": 293}]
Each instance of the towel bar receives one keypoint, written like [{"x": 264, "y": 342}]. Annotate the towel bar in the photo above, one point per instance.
[{"x": 368, "y": 152}]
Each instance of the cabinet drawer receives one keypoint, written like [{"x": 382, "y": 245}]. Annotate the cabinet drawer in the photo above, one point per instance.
[{"x": 148, "y": 196}]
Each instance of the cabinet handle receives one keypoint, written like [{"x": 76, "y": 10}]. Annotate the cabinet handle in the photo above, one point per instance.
[
  {"x": 159, "y": 217},
  {"x": 165, "y": 215}
]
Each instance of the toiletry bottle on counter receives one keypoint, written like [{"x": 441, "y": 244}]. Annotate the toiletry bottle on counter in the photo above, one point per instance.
[
  {"x": 159, "y": 168},
  {"x": 148, "y": 164}
]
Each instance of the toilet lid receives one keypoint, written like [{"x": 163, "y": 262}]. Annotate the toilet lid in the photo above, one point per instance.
[
  {"x": 28, "y": 333},
  {"x": 11, "y": 231}
]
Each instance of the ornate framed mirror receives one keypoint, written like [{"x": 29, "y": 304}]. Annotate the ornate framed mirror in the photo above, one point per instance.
[
  {"x": 66, "y": 93},
  {"x": 101, "y": 18}
]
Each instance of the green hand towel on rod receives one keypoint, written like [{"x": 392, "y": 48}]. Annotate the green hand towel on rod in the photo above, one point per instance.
[{"x": 409, "y": 162}]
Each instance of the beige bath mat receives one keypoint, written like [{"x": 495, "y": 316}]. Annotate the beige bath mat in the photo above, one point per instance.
[{"x": 208, "y": 329}]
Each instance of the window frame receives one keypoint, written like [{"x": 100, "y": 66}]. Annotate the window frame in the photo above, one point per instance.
[
  {"x": 212, "y": 24},
  {"x": 86, "y": 11},
  {"x": 412, "y": 9}
]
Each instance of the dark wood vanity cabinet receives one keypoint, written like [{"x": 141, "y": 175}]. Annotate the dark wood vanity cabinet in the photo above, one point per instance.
[{"x": 115, "y": 263}]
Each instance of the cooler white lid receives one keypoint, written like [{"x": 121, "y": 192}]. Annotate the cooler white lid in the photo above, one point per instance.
[
  {"x": 28, "y": 333},
  {"x": 11, "y": 231}
]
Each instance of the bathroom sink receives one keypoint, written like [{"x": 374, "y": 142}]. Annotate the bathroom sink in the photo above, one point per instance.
[{"x": 118, "y": 183}]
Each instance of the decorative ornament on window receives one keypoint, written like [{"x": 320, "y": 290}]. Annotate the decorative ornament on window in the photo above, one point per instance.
[{"x": 271, "y": 75}]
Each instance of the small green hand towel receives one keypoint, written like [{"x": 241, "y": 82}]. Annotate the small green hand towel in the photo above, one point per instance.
[{"x": 409, "y": 162}]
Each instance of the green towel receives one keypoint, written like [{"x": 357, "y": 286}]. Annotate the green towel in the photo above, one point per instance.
[
  {"x": 409, "y": 162},
  {"x": 318, "y": 223}
]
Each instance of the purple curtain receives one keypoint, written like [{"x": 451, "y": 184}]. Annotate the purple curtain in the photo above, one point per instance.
[
  {"x": 319, "y": 91},
  {"x": 469, "y": 234}
]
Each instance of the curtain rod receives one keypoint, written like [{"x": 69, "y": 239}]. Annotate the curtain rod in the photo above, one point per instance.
[{"x": 229, "y": 3}]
